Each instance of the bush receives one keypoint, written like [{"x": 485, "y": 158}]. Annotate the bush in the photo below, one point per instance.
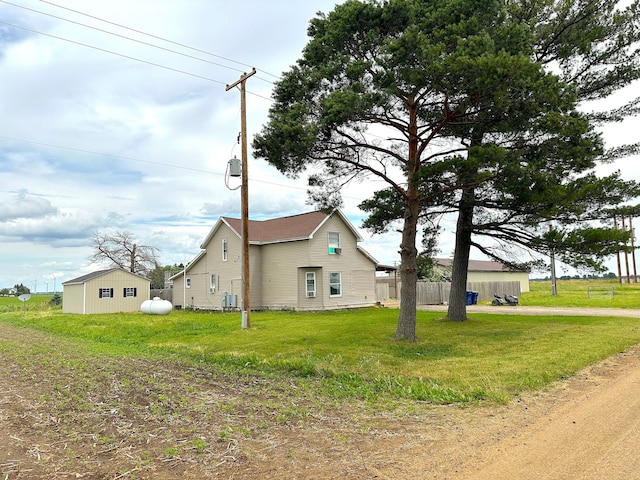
[{"x": 56, "y": 299}]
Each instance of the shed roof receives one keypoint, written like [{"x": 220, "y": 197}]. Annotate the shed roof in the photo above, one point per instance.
[
  {"x": 99, "y": 273},
  {"x": 480, "y": 265}
]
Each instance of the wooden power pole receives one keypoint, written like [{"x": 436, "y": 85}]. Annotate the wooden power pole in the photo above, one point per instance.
[{"x": 244, "y": 201}]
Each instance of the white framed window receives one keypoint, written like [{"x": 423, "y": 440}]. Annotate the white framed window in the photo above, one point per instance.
[
  {"x": 225, "y": 249},
  {"x": 311, "y": 284},
  {"x": 334, "y": 243},
  {"x": 335, "y": 284},
  {"x": 129, "y": 292},
  {"x": 187, "y": 282},
  {"x": 212, "y": 284},
  {"x": 105, "y": 292}
]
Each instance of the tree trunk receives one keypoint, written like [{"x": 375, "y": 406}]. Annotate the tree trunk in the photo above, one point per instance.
[
  {"x": 457, "y": 311},
  {"x": 406, "y": 329}
]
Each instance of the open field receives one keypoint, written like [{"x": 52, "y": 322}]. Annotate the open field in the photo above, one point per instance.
[{"x": 584, "y": 293}]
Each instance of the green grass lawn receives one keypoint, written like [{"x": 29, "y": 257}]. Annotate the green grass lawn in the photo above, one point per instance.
[{"x": 354, "y": 353}]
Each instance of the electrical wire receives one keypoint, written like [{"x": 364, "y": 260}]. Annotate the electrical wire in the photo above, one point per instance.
[
  {"x": 129, "y": 57},
  {"x": 113, "y": 53},
  {"x": 123, "y": 36},
  {"x": 162, "y": 164},
  {"x": 159, "y": 38}
]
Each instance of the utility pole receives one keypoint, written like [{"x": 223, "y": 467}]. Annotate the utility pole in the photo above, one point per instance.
[
  {"x": 615, "y": 225},
  {"x": 554, "y": 288},
  {"x": 633, "y": 250},
  {"x": 244, "y": 200},
  {"x": 626, "y": 254}
]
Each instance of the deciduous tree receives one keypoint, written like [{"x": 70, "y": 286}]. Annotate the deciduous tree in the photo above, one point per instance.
[{"x": 121, "y": 250}]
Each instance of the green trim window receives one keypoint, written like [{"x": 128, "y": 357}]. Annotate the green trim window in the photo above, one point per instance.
[{"x": 333, "y": 241}]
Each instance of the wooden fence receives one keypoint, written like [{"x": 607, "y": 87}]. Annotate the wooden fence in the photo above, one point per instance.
[{"x": 437, "y": 293}]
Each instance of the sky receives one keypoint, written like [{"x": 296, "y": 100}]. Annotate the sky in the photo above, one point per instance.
[{"x": 115, "y": 116}]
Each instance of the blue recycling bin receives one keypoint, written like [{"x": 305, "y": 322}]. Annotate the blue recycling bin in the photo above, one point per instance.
[
  {"x": 469, "y": 298},
  {"x": 474, "y": 298}
]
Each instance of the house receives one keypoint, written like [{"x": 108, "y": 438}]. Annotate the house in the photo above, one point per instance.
[
  {"x": 310, "y": 261},
  {"x": 105, "y": 291},
  {"x": 489, "y": 271}
]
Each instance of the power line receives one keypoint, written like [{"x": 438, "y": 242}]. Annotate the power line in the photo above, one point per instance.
[
  {"x": 133, "y": 159},
  {"x": 159, "y": 38},
  {"x": 123, "y": 36},
  {"x": 127, "y": 56},
  {"x": 112, "y": 52}
]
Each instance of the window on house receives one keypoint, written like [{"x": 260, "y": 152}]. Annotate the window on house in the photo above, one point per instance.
[
  {"x": 334, "y": 243},
  {"x": 105, "y": 292},
  {"x": 311, "y": 284},
  {"x": 188, "y": 282},
  {"x": 129, "y": 292},
  {"x": 225, "y": 249},
  {"x": 212, "y": 284},
  {"x": 335, "y": 284}
]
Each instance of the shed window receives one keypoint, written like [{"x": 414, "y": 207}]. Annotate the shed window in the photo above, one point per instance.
[
  {"x": 188, "y": 282},
  {"x": 212, "y": 284},
  {"x": 335, "y": 284},
  {"x": 129, "y": 292},
  {"x": 105, "y": 292}
]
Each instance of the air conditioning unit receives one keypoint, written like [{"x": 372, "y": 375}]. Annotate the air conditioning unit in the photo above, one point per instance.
[
  {"x": 311, "y": 295},
  {"x": 229, "y": 300},
  {"x": 338, "y": 251}
]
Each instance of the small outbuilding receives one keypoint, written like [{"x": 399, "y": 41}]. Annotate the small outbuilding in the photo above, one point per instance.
[
  {"x": 489, "y": 271},
  {"x": 105, "y": 291}
]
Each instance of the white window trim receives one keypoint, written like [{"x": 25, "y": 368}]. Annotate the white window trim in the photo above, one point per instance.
[
  {"x": 225, "y": 249},
  {"x": 310, "y": 294},
  {"x": 331, "y": 246},
  {"x": 213, "y": 283},
  {"x": 187, "y": 282},
  {"x": 340, "y": 284}
]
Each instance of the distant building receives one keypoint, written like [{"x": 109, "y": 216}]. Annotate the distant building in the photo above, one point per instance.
[
  {"x": 105, "y": 291},
  {"x": 489, "y": 271}
]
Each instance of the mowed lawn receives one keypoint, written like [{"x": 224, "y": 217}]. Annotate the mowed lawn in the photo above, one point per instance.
[{"x": 353, "y": 352}]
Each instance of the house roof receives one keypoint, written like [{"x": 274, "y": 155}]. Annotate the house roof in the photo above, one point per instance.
[
  {"x": 277, "y": 230},
  {"x": 479, "y": 265},
  {"x": 283, "y": 229},
  {"x": 99, "y": 273}
]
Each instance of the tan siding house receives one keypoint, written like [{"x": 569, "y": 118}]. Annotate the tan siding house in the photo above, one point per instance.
[
  {"x": 105, "y": 291},
  {"x": 310, "y": 261}
]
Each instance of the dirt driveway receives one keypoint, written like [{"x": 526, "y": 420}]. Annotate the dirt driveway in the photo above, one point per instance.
[{"x": 587, "y": 427}]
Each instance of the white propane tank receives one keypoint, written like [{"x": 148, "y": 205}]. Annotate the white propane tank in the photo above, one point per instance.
[{"x": 157, "y": 306}]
